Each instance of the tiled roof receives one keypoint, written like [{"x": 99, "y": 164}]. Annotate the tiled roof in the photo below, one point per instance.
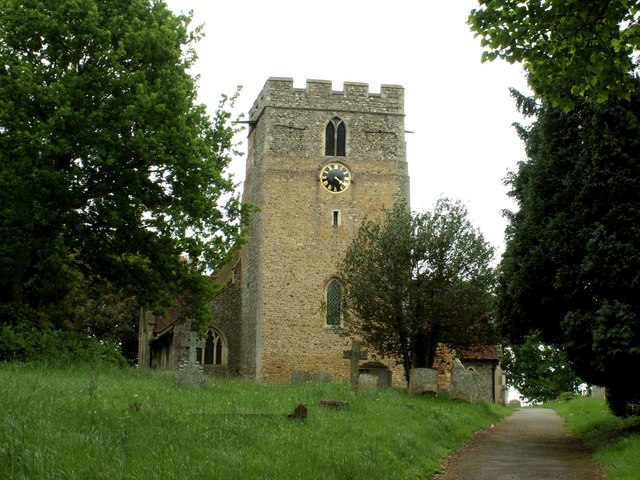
[{"x": 480, "y": 352}]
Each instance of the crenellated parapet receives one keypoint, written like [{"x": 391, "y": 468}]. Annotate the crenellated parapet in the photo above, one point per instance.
[{"x": 319, "y": 95}]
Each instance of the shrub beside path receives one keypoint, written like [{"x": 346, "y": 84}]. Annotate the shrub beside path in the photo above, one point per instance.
[{"x": 531, "y": 444}]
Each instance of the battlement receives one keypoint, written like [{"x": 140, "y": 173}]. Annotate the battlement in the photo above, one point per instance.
[{"x": 319, "y": 95}]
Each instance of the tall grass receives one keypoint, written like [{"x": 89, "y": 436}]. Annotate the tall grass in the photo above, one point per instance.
[
  {"x": 615, "y": 440},
  {"x": 79, "y": 423}
]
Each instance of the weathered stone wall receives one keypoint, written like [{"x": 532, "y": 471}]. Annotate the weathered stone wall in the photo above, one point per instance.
[
  {"x": 481, "y": 385},
  {"x": 294, "y": 248},
  {"x": 227, "y": 310}
]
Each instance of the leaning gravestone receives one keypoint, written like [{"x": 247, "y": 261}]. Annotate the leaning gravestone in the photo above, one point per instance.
[
  {"x": 423, "y": 380},
  {"x": 190, "y": 373},
  {"x": 466, "y": 385}
]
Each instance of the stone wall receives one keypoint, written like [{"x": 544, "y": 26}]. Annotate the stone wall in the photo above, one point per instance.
[
  {"x": 486, "y": 382},
  {"x": 294, "y": 248},
  {"x": 272, "y": 312},
  {"x": 227, "y": 310}
]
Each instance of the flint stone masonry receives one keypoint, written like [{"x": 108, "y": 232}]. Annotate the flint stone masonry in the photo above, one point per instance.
[
  {"x": 423, "y": 380},
  {"x": 466, "y": 385},
  {"x": 483, "y": 383},
  {"x": 293, "y": 248},
  {"x": 319, "y": 95},
  {"x": 271, "y": 313}
]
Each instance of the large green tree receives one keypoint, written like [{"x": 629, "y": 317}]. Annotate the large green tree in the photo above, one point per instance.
[
  {"x": 572, "y": 260},
  {"x": 413, "y": 281},
  {"x": 569, "y": 48},
  {"x": 539, "y": 372},
  {"x": 109, "y": 169}
]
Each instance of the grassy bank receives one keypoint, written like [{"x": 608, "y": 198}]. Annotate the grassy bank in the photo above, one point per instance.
[
  {"x": 615, "y": 441},
  {"x": 79, "y": 423}
]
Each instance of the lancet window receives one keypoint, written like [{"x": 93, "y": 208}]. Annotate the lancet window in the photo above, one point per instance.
[{"x": 335, "y": 138}]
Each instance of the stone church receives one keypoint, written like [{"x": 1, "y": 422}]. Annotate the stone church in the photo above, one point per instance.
[{"x": 319, "y": 161}]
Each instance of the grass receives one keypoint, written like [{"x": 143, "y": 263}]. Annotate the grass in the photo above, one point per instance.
[
  {"x": 78, "y": 423},
  {"x": 614, "y": 440}
]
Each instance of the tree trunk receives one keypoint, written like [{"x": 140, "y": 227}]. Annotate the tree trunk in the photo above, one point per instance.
[
  {"x": 433, "y": 345},
  {"x": 406, "y": 353}
]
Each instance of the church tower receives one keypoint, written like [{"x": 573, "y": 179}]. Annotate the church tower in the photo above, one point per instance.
[{"x": 319, "y": 162}]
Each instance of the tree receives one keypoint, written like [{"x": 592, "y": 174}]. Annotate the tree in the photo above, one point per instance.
[
  {"x": 413, "y": 281},
  {"x": 569, "y": 48},
  {"x": 107, "y": 314},
  {"x": 571, "y": 263},
  {"x": 539, "y": 372},
  {"x": 108, "y": 167}
]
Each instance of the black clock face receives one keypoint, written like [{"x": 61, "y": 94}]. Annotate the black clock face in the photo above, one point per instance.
[{"x": 335, "y": 177}]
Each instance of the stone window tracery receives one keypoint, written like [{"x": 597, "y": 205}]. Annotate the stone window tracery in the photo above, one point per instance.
[
  {"x": 213, "y": 352},
  {"x": 335, "y": 138}
]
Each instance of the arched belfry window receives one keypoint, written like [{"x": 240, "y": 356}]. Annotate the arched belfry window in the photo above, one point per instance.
[
  {"x": 213, "y": 352},
  {"x": 335, "y": 138},
  {"x": 334, "y": 298}
]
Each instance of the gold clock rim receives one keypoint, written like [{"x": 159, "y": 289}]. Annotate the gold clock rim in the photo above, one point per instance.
[{"x": 323, "y": 169}]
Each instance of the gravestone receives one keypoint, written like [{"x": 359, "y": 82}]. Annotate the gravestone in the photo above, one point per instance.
[
  {"x": 366, "y": 381},
  {"x": 423, "y": 380},
  {"x": 466, "y": 384},
  {"x": 321, "y": 377},
  {"x": 299, "y": 377},
  {"x": 355, "y": 355},
  {"x": 300, "y": 412},
  {"x": 191, "y": 373},
  {"x": 380, "y": 370}
]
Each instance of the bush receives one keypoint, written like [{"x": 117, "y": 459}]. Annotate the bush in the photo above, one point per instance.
[
  {"x": 623, "y": 400},
  {"x": 23, "y": 343}
]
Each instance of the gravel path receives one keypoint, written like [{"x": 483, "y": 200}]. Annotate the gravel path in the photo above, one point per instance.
[{"x": 531, "y": 444}]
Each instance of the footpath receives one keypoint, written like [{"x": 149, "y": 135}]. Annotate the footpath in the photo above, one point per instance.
[{"x": 531, "y": 444}]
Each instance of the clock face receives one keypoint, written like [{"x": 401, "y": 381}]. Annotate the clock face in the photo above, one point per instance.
[{"x": 335, "y": 177}]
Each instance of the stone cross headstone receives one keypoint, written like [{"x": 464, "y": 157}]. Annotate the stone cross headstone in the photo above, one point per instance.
[
  {"x": 191, "y": 372},
  {"x": 355, "y": 355}
]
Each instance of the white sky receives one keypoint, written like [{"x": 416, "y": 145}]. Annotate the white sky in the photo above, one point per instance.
[{"x": 459, "y": 110}]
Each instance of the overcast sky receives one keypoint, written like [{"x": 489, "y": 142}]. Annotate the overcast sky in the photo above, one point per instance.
[{"x": 459, "y": 110}]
